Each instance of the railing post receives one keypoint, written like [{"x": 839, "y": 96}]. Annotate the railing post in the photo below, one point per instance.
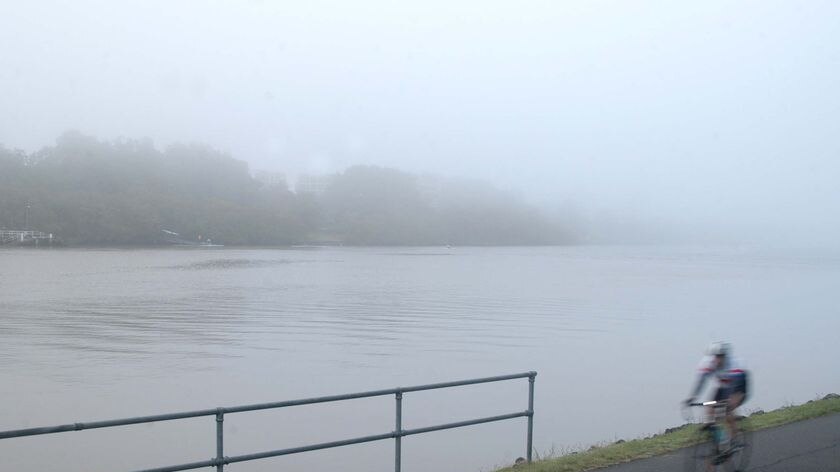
[
  {"x": 531, "y": 379},
  {"x": 398, "y": 431},
  {"x": 220, "y": 438}
]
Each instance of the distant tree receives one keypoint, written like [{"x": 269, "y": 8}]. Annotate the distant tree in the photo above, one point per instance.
[
  {"x": 375, "y": 205},
  {"x": 14, "y": 182},
  {"x": 126, "y": 191}
]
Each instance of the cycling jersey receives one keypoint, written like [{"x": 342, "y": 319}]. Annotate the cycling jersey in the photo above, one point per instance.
[{"x": 729, "y": 373}]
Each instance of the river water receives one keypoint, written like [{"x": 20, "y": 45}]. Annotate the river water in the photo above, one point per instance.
[{"x": 614, "y": 332}]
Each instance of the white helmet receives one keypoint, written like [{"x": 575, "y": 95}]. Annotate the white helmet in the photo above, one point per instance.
[{"x": 719, "y": 348}]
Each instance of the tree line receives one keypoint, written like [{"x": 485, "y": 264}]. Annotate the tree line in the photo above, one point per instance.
[{"x": 126, "y": 192}]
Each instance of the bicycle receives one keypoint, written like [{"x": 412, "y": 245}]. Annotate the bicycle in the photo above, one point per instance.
[{"x": 712, "y": 451}]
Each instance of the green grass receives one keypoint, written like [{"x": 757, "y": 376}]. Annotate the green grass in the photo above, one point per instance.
[{"x": 617, "y": 453}]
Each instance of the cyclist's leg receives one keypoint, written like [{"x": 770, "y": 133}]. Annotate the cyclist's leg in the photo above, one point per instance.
[
  {"x": 723, "y": 394},
  {"x": 735, "y": 400}
]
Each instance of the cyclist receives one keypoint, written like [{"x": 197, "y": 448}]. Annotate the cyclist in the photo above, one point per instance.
[{"x": 731, "y": 377}]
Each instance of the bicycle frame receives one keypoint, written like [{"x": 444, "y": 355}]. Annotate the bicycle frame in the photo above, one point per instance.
[{"x": 721, "y": 451}]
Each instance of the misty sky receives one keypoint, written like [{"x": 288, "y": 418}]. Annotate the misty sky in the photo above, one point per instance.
[{"x": 719, "y": 117}]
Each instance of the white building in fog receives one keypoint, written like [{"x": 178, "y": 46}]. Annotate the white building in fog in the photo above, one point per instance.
[
  {"x": 313, "y": 184},
  {"x": 270, "y": 179}
]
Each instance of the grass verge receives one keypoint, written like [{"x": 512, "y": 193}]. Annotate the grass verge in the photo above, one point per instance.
[{"x": 671, "y": 440}]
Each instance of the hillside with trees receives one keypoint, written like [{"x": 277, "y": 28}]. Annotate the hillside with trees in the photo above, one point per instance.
[{"x": 126, "y": 192}]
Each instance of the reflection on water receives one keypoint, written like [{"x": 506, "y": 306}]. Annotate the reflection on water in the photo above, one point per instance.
[
  {"x": 137, "y": 309},
  {"x": 120, "y": 333},
  {"x": 215, "y": 264}
]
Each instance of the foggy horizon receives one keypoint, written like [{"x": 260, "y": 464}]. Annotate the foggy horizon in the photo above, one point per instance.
[{"x": 713, "y": 122}]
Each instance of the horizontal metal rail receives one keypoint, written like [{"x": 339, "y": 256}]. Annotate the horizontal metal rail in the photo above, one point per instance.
[
  {"x": 220, "y": 460},
  {"x": 244, "y": 408}
]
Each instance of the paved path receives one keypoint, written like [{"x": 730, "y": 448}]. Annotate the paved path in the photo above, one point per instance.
[{"x": 812, "y": 445}]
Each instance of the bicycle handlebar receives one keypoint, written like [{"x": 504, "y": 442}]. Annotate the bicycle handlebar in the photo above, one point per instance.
[{"x": 708, "y": 403}]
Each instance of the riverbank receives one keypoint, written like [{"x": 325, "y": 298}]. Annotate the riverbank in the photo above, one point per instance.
[{"x": 604, "y": 455}]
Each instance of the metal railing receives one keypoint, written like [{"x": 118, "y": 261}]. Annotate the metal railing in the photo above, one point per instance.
[{"x": 220, "y": 460}]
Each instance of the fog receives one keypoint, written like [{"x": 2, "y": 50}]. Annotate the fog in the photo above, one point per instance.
[{"x": 642, "y": 121}]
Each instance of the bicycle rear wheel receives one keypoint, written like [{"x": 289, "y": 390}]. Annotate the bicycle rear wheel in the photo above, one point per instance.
[
  {"x": 741, "y": 451},
  {"x": 702, "y": 457}
]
